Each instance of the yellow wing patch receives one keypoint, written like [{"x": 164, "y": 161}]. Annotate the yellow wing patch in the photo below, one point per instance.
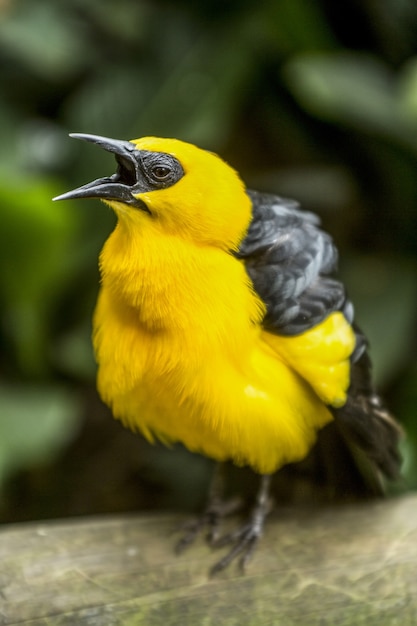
[{"x": 320, "y": 356}]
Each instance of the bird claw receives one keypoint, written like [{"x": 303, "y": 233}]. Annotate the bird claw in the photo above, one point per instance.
[
  {"x": 245, "y": 539},
  {"x": 210, "y": 519}
]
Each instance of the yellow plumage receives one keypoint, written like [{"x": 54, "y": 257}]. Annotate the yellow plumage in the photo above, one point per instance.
[
  {"x": 218, "y": 326},
  {"x": 178, "y": 334}
]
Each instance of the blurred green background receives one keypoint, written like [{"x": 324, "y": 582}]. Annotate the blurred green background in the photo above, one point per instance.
[{"x": 314, "y": 100}]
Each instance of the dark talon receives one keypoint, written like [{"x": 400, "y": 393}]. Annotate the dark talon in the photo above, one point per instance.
[
  {"x": 246, "y": 545},
  {"x": 211, "y": 518},
  {"x": 246, "y": 537}
]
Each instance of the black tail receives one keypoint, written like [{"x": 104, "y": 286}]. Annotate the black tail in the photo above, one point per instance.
[{"x": 365, "y": 422}]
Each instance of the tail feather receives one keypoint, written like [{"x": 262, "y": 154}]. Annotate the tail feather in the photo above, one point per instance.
[{"x": 365, "y": 421}]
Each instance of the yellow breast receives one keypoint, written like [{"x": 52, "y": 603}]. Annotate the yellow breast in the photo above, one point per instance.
[{"x": 182, "y": 356}]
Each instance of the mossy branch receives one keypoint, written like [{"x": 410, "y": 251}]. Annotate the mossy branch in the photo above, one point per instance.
[{"x": 348, "y": 565}]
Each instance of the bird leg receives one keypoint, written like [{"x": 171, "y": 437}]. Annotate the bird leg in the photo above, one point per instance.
[
  {"x": 216, "y": 509},
  {"x": 246, "y": 537}
]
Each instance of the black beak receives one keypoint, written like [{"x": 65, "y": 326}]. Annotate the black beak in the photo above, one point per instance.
[{"x": 120, "y": 185}]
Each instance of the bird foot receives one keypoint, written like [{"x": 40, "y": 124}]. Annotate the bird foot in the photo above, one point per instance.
[
  {"x": 211, "y": 518},
  {"x": 244, "y": 539}
]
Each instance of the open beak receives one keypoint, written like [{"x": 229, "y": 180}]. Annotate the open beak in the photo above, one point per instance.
[{"x": 120, "y": 185}]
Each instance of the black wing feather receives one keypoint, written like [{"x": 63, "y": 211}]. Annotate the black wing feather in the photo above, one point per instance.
[{"x": 289, "y": 259}]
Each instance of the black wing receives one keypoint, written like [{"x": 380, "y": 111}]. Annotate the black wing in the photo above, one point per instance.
[{"x": 289, "y": 258}]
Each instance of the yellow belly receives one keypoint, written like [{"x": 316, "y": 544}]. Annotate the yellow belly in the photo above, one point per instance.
[{"x": 259, "y": 405}]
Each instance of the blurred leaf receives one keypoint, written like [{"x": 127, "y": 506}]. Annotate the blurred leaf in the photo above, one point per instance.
[
  {"x": 201, "y": 84},
  {"x": 73, "y": 353},
  {"x": 129, "y": 20},
  {"x": 36, "y": 241},
  {"x": 384, "y": 293},
  {"x": 37, "y": 34},
  {"x": 292, "y": 26},
  {"x": 353, "y": 89},
  {"x": 34, "y": 424},
  {"x": 41, "y": 147},
  {"x": 9, "y": 124},
  {"x": 204, "y": 91},
  {"x": 408, "y": 90},
  {"x": 93, "y": 105}
]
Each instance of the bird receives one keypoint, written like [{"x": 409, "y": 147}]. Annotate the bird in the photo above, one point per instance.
[{"x": 220, "y": 325}]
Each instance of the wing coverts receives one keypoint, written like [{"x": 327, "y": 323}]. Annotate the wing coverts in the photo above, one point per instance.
[{"x": 288, "y": 259}]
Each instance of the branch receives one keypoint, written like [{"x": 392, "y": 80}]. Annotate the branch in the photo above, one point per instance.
[{"x": 348, "y": 565}]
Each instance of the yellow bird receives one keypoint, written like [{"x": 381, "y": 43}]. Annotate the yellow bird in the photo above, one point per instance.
[{"x": 217, "y": 324}]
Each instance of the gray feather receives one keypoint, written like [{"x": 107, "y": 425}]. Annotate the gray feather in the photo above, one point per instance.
[{"x": 288, "y": 257}]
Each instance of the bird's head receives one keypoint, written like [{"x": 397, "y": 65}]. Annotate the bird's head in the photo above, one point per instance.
[{"x": 174, "y": 187}]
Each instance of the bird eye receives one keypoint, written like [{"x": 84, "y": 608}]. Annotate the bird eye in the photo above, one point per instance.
[{"x": 161, "y": 172}]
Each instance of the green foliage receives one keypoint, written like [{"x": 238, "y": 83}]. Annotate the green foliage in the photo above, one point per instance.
[
  {"x": 35, "y": 422},
  {"x": 315, "y": 100},
  {"x": 37, "y": 245},
  {"x": 385, "y": 297},
  {"x": 358, "y": 91}
]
